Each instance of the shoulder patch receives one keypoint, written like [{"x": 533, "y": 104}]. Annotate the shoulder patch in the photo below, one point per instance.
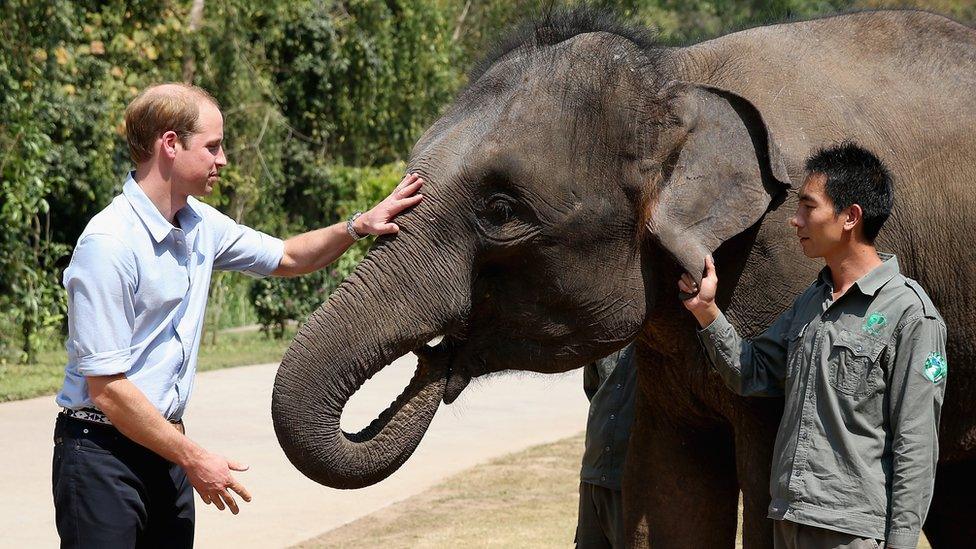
[{"x": 936, "y": 367}]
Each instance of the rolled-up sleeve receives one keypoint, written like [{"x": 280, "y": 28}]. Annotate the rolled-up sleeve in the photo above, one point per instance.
[
  {"x": 241, "y": 248},
  {"x": 918, "y": 382},
  {"x": 101, "y": 282},
  {"x": 750, "y": 367}
]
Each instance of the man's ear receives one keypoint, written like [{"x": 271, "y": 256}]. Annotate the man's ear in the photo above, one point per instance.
[
  {"x": 168, "y": 144},
  {"x": 855, "y": 215},
  {"x": 720, "y": 170}
]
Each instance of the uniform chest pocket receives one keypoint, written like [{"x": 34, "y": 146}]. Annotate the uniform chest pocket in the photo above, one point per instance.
[
  {"x": 794, "y": 348},
  {"x": 853, "y": 365}
]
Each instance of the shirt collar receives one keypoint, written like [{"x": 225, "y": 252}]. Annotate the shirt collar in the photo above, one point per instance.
[
  {"x": 870, "y": 283},
  {"x": 148, "y": 212}
]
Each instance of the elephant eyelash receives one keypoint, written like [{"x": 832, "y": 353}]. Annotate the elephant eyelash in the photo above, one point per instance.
[{"x": 500, "y": 208}]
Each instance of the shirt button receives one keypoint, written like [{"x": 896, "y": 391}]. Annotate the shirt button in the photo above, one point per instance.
[
  {"x": 619, "y": 385},
  {"x": 606, "y": 449},
  {"x": 84, "y": 431},
  {"x": 603, "y": 478},
  {"x": 859, "y": 347},
  {"x": 613, "y": 416}
]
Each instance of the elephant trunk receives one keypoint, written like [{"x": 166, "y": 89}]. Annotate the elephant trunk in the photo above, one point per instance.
[{"x": 374, "y": 317}]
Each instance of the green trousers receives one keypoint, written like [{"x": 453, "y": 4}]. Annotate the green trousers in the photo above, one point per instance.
[{"x": 790, "y": 535}]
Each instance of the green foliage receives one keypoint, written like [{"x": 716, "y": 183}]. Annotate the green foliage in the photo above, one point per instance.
[
  {"x": 60, "y": 136},
  {"x": 360, "y": 79}
]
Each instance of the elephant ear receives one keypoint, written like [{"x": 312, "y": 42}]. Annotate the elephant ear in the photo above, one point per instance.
[{"x": 720, "y": 171}]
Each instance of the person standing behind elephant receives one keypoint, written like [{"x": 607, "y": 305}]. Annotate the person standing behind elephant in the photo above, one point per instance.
[
  {"x": 123, "y": 469},
  {"x": 610, "y": 385},
  {"x": 860, "y": 359}
]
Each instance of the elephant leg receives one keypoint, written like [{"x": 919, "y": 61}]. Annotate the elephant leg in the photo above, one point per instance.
[
  {"x": 755, "y": 436},
  {"x": 680, "y": 487},
  {"x": 951, "y": 520}
]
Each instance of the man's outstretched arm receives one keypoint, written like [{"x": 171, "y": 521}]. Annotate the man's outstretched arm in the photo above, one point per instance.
[
  {"x": 749, "y": 367},
  {"x": 311, "y": 251}
]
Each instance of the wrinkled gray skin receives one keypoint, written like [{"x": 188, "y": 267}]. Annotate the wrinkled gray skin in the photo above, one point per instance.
[{"x": 572, "y": 183}]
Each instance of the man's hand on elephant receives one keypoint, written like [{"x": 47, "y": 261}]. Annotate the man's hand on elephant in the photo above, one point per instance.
[
  {"x": 702, "y": 300},
  {"x": 379, "y": 220},
  {"x": 210, "y": 476}
]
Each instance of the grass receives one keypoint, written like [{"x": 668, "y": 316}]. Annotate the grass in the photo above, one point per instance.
[
  {"x": 526, "y": 499},
  {"x": 20, "y": 381}
]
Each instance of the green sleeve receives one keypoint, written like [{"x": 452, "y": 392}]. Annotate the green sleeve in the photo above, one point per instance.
[
  {"x": 916, "y": 389},
  {"x": 750, "y": 367}
]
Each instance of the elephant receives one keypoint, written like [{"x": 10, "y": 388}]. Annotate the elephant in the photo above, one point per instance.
[{"x": 580, "y": 172}]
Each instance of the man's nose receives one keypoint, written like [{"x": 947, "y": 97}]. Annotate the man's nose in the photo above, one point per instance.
[
  {"x": 795, "y": 221},
  {"x": 221, "y": 158}
]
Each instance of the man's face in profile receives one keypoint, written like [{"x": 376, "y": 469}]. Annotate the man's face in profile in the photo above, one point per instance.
[
  {"x": 819, "y": 228},
  {"x": 197, "y": 166}
]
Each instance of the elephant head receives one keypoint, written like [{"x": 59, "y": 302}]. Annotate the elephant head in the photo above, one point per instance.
[{"x": 570, "y": 153}]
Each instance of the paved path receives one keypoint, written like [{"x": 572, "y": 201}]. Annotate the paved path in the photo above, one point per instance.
[{"x": 230, "y": 414}]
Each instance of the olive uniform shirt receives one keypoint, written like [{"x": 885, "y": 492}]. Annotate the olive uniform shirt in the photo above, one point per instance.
[
  {"x": 610, "y": 384},
  {"x": 863, "y": 379}
]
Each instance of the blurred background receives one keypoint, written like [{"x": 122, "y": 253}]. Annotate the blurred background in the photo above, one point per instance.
[{"x": 322, "y": 101}]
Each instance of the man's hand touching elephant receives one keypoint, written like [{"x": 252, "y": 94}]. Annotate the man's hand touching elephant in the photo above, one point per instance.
[
  {"x": 311, "y": 251},
  {"x": 379, "y": 220},
  {"x": 702, "y": 300}
]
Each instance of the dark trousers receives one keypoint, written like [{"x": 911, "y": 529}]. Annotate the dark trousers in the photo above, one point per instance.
[
  {"x": 112, "y": 492},
  {"x": 600, "y": 524}
]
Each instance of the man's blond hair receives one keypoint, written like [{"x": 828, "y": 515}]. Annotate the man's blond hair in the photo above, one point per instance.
[{"x": 172, "y": 106}]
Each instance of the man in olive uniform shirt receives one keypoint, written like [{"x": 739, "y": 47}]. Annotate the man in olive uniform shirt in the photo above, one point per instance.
[
  {"x": 609, "y": 383},
  {"x": 860, "y": 360}
]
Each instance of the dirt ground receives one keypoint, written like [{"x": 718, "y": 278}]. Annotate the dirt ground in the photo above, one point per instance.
[{"x": 526, "y": 499}]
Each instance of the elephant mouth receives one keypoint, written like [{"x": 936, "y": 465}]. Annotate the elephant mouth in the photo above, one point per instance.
[
  {"x": 456, "y": 382},
  {"x": 442, "y": 359}
]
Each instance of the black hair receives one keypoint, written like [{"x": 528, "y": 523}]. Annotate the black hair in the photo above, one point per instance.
[
  {"x": 560, "y": 25},
  {"x": 855, "y": 176}
]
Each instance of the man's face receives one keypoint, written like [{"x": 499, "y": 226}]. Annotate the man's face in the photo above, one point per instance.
[
  {"x": 196, "y": 167},
  {"x": 821, "y": 231}
]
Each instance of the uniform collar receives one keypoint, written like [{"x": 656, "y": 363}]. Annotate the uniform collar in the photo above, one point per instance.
[
  {"x": 148, "y": 212},
  {"x": 870, "y": 283}
]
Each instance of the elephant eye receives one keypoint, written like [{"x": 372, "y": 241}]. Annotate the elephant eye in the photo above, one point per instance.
[
  {"x": 499, "y": 208},
  {"x": 504, "y": 220}
]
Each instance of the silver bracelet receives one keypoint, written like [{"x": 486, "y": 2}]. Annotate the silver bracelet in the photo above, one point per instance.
[{"x": 352, "y": 230}]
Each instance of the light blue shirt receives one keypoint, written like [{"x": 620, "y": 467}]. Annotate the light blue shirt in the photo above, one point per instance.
[{"x": 137, "y": 292}]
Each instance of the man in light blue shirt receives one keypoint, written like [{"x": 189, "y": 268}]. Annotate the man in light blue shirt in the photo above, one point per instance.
[{"x": 124, "y": 471}]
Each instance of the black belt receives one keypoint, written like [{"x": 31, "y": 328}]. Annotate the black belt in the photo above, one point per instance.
[{"x": 96, "y": 416}]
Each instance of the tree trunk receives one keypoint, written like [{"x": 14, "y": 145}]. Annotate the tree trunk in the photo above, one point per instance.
[{"x": 189, "y": 60}]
